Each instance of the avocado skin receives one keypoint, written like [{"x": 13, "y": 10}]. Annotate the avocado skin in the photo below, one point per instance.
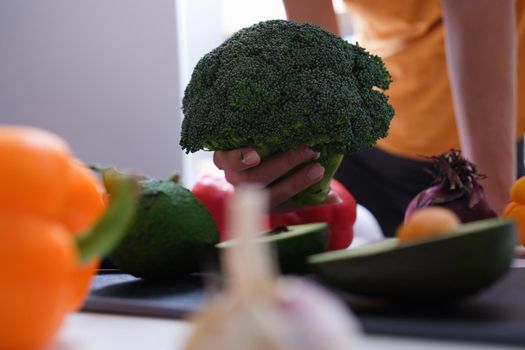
[
  {"x": 171, "y": 234},
  {"x": 440, "y": 270}
]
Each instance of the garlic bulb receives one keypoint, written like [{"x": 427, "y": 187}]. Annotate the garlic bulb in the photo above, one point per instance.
[{"x": 262, "y": 311}]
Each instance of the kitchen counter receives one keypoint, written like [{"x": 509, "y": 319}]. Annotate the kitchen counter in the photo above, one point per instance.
[
  {"x": 110, "y": 330},
  {"x": 94, "y": 331}
]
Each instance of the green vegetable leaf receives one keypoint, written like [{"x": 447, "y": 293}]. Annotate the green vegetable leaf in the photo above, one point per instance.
[{"x": 106, "y": 234}]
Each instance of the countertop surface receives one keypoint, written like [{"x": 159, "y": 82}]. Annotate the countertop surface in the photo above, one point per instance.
[
  {"x": 93, "y": 331},
  {"x": 123, "y": 316},
  {"x": 114, "y": 330},
  {"x": 494, "y": 316}
]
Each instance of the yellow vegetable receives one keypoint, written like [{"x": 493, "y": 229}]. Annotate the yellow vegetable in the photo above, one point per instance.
[{"x": 428, "y": 222}]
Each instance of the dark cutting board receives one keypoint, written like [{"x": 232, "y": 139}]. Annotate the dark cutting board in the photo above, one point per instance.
[{"x": 495, "y": 316}]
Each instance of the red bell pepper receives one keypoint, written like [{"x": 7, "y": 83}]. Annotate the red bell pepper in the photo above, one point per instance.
[{"x": 214, "y": 191}]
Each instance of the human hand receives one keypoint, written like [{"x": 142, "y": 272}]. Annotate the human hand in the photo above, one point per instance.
[{"x": 246, "y": 166}]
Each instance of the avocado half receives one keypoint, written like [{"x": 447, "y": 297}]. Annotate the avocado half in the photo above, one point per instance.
[
  {"x": 293, "y": 244},
  {"x": 444, "y": 268}
]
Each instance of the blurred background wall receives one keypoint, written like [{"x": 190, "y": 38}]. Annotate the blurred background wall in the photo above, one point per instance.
[{"x": 101, "y": 73}]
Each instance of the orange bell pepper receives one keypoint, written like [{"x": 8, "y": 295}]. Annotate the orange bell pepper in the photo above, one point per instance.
[
  {"x": 54, "y": 227},
  {"x": 516, "y": 208}
]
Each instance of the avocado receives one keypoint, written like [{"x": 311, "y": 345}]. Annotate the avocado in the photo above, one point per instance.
[
  {"x": 171, "y": 232},
  {"x": 293, "y": 244},
  {"x": 439, "y": 269}
]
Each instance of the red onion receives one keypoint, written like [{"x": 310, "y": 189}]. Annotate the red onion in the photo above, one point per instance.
[{"x": 456, "y": 187}]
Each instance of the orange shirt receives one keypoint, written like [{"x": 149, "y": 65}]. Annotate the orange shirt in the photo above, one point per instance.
[{"x": 409, "y": 36}]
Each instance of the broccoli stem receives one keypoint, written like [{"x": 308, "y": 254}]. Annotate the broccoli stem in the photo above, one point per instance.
[{"x": 318, "y": 192}]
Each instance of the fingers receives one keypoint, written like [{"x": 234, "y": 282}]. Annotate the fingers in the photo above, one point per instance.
[
  {"x": 295, "y": 183},
  {"x": 272, "y": 168},
  {"x": 245, "y": 165},
  {"x": 236, "y": 160},
  {"x": 278, "y": 165}
]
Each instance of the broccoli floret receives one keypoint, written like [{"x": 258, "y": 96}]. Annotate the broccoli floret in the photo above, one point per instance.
[{"x": 279, "y": 84}]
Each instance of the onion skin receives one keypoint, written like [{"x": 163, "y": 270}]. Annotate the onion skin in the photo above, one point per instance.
[{"x": 456, "y": 188}]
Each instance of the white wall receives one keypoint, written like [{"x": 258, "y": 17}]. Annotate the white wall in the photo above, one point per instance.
[
  {"x": 101, "y": 73},
  {"x": 199, "y": 29}
]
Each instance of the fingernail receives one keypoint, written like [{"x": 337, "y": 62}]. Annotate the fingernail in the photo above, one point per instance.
[
  {"x": 250, "y": 157},
  {"x": 310, "y": 153},
  {"x": 315, "y": 173}
]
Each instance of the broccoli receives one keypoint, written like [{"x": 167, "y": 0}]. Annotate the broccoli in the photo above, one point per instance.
[{"x": 279, "y": 84}]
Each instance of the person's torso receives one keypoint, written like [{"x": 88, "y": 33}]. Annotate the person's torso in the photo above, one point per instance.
[{"x": 409, "y": 36}]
